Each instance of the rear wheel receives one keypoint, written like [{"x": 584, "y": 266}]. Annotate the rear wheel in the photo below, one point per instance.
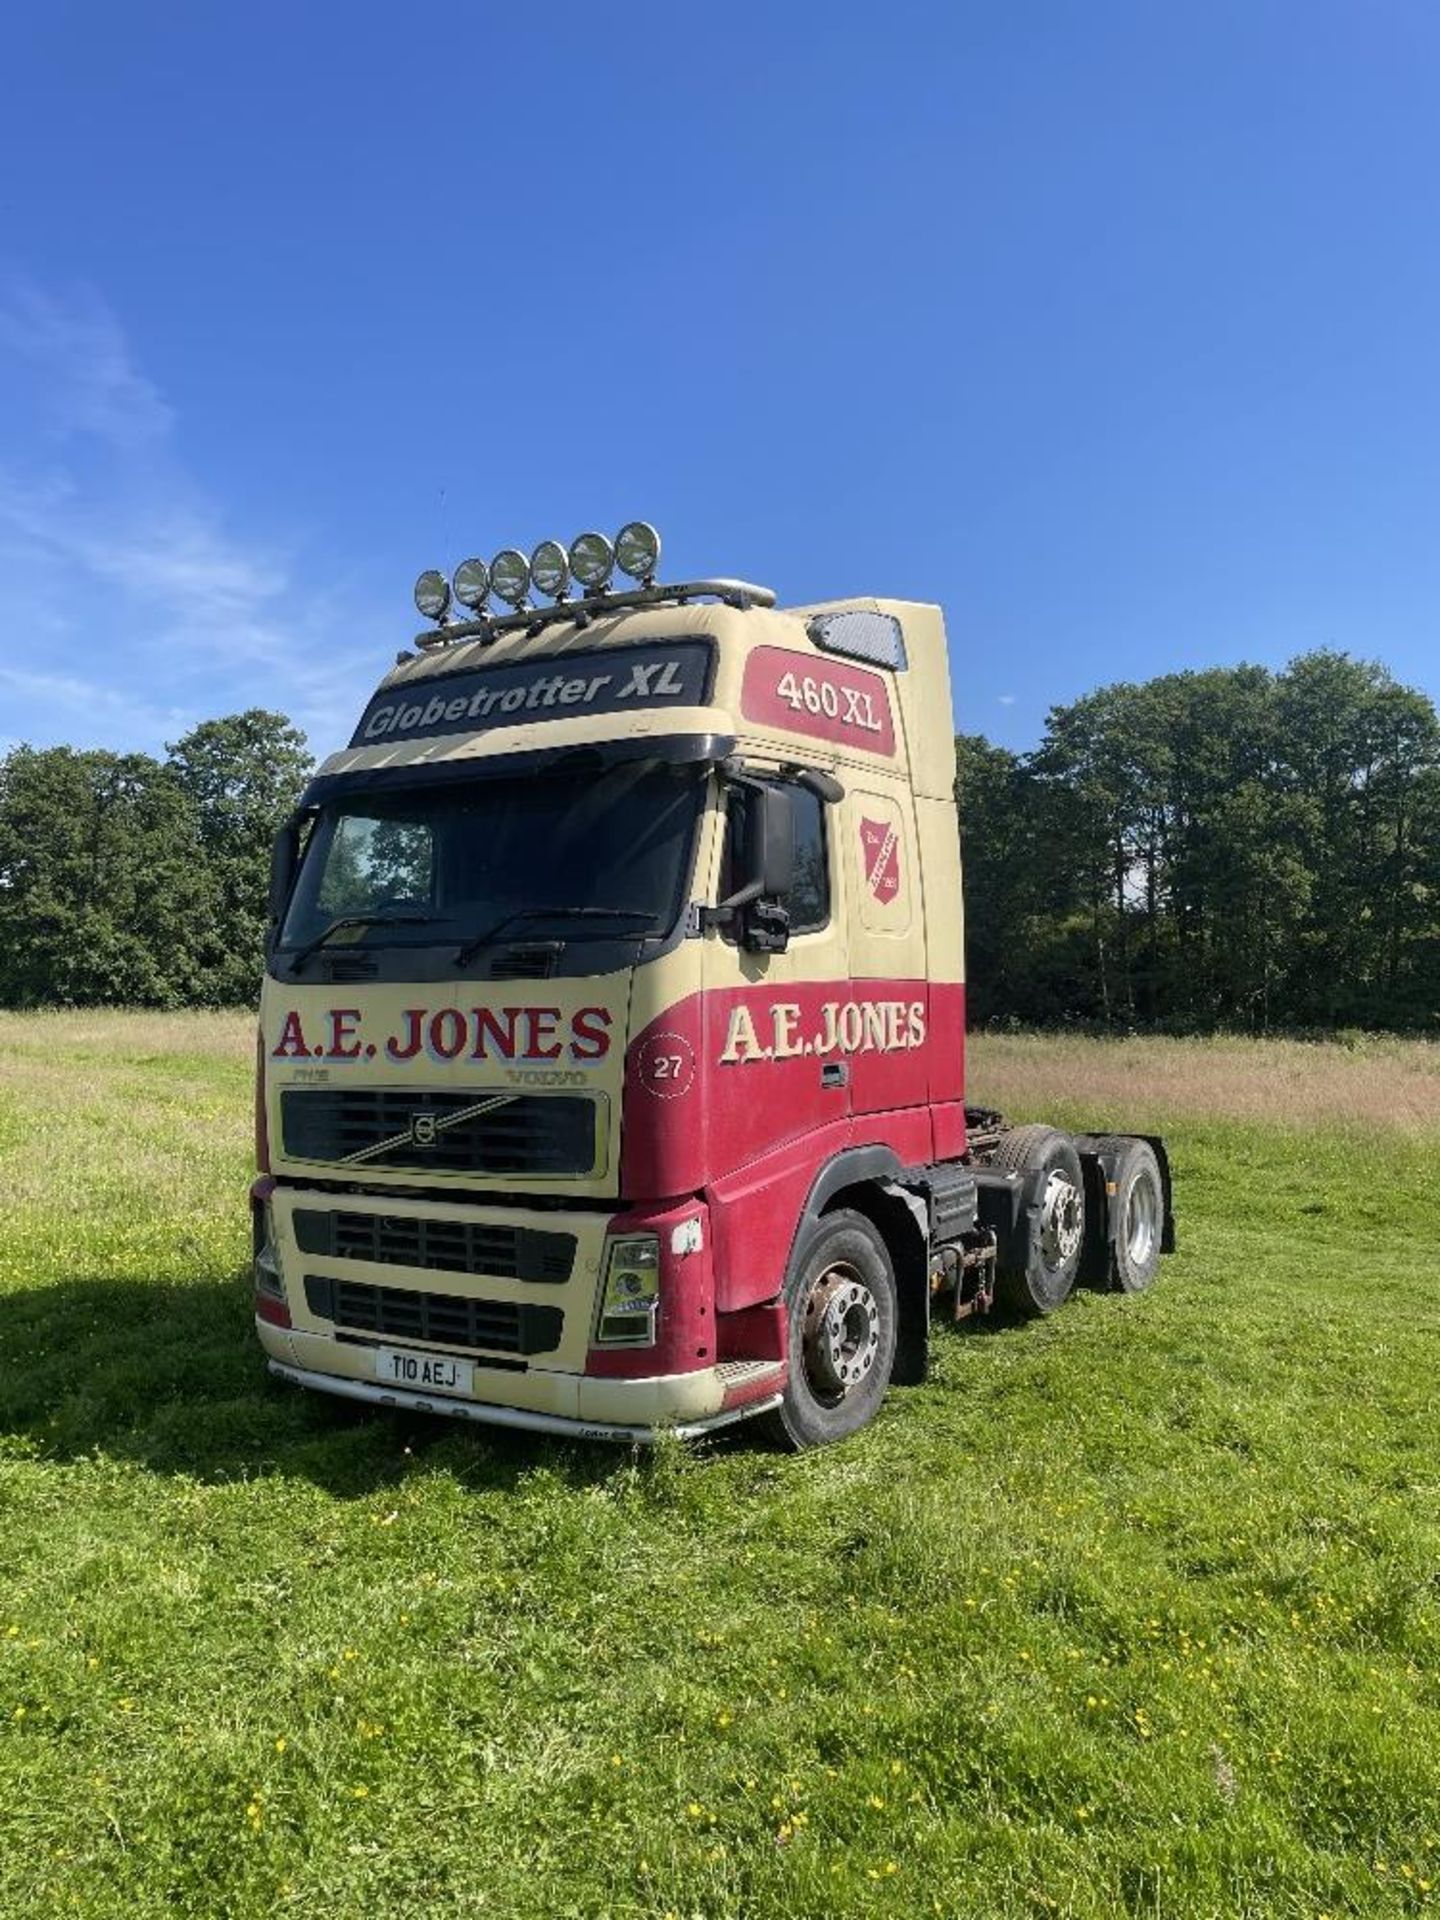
[
  {"x": 1137, "y": 1214},
  {"x": 843, "y": 1317},
  {"x": 1040, "y": 1269}
]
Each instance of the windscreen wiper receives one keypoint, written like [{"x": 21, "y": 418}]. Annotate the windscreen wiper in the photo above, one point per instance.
[
  {"x": 357, "y": 920},
  {"x": 476, "y": 941}
]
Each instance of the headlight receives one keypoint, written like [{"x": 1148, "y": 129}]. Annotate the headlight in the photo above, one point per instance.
[
  {"x": 267, "y": 1274},
  {"x": 432, "y": 594},
  {"x": 592, "y": 560},
  {"x": 631, "y": 1293},
  {"x": 270, "y": 1301}
]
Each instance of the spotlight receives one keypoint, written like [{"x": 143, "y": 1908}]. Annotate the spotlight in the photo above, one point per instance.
[
  {"x": 637, "y": 550},
  {"x": 592, "y": 560},
  {"x": 550, "y": 568},
  {"x": 432, "y": 594},
  {"x": 510, "y": 576},
  {"x": 472, "y": 584}
]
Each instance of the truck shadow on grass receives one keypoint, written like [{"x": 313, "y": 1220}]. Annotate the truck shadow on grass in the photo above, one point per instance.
[{"x": 169, "y": 1376}]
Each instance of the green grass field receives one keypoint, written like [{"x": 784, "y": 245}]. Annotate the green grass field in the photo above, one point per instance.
[{"x": 1135, "y": 1611}]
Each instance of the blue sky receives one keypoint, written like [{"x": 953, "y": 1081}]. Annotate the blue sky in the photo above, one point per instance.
[{"x": 1114, "y": 327}]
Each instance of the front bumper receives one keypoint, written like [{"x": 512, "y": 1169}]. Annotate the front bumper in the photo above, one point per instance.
[
  {"x": 530, "y": 1349},
  {"x": 577, "y": 1427}
]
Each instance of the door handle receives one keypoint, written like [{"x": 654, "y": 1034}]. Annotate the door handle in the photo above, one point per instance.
[{"x": 835, "y": 1073}]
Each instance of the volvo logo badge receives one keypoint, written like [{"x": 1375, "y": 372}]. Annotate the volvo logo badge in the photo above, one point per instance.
[{"x": 424, "y": 1129}]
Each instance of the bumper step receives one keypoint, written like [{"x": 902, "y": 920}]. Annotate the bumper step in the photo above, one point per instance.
[{"x": 485, "y": 1414}]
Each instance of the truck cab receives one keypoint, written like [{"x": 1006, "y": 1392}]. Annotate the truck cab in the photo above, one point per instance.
[{"x": 611, "y": 1050}]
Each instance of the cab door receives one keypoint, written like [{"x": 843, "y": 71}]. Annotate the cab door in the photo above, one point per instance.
[{"x": 887, "y": 948}]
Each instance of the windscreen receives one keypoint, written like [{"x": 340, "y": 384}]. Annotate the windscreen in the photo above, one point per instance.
[{"x": 591, "y": 854}]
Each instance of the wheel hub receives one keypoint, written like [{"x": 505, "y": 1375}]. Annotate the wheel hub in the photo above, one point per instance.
[
  {"x": 1062, "y": 1220},
  {"x": 841, "y": 1331},
  {"x": 1142, "y": 1230}
]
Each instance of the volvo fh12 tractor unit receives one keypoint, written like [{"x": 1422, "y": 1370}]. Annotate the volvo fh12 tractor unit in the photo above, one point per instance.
[{"x": 612, "y": 1042}]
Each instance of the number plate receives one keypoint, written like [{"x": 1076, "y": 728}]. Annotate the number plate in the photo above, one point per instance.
[{"x": 423, "y": 1372}]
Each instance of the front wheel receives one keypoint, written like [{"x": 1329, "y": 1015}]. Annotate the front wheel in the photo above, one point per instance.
[{"x": 842, "y": 1317}]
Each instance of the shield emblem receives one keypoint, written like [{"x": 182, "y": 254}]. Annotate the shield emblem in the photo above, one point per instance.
[
  {"x": 422, "y": 1129},
  {"x": 880, "y": 846}
]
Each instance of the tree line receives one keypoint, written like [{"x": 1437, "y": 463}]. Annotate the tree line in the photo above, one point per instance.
[
  {"x": 127, "y": 880},
  {"x": 1230, "y": 848}
]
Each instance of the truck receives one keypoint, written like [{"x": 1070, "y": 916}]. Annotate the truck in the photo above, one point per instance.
[{"x": 611, "y": 1056}]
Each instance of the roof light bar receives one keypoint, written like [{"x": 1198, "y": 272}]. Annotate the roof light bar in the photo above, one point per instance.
[{"x": 591, "y": 561}]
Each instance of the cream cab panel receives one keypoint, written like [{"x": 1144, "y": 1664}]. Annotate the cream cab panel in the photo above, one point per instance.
[{"x": 487, "y": 1085}]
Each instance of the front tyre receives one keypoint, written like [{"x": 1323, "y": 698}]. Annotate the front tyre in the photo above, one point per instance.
[{"x": 842, "y": 1317}]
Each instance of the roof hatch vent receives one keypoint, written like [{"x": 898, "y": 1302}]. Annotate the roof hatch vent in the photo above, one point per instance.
[{"x": 858, "y": 635}]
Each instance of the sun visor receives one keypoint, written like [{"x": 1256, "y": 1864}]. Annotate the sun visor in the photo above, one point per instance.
[{"x": 674, "y": 749}]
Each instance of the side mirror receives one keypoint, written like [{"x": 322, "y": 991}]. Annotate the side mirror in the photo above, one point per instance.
[
  {"x": 284, "y": 858},
  {"x": 766, "y": 869},
  {"x": 770, "y": 841}
]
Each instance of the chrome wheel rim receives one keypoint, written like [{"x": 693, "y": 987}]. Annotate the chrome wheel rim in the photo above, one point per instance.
[
  {"x": 1142, "y": 1223},
  {"x": 840, "y": 1332},
  {"x": 1062, "y": 1220}
]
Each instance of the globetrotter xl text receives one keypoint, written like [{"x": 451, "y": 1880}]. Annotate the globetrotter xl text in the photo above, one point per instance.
[{"x": 556, "y": 687}]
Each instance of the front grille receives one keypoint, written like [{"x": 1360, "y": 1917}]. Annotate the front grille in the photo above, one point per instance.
[
  {"x": 451, "y": 1246},
  {"x": 440, "y": 1319},
  {"x": 480, "y": 1130}
]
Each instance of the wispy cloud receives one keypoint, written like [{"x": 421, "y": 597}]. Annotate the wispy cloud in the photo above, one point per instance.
[
  {"x": 129, "y": 605},
  {"x": 1006, "y": 699},
  {"x": 75, "y": 347},
  {"x": 84, "y": 699}
]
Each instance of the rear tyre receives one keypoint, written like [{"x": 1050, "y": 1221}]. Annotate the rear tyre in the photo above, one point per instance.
[
  {"x": 843, "y": 1318},
  {"x": 1137, "y": 1214},
  {"x": 1041, "y": 1266}
]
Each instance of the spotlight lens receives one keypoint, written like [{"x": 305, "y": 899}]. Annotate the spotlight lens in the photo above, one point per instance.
[
  {"x": 637, "y": 550},
  {"x": 550, "y": 568},
  {"x": 472, "y": 584},
  {"x": 510, "y": 576},
  {"x": 432, "y": 594},
  {"x": 592, "y": 559}
]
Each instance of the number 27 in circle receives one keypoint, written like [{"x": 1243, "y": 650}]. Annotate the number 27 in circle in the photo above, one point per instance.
[{"x": 667, "y": 1065}]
